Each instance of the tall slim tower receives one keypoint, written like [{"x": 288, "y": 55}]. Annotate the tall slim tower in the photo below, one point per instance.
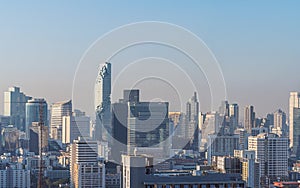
[
  {"x": 192, "y": 119},
  {"x": 249, "y": 118},
  {"x": 280, "y": 122},
  {"x": 58, "y": 110},
  {"x": 293, "y": 103},
  {"x": 296, "y": 132},
  {"x": 14, "y": 106},
  {"x": 103, "y": 103},
  {"x": 234, "y": 114}
]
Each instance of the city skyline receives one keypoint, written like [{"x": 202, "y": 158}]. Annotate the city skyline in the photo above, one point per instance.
[
  {"x": 253, "y": 50},
  {"x": 156, "y": 94}
]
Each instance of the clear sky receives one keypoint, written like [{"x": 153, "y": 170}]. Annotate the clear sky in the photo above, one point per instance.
[{"x": 255, "y": 42}]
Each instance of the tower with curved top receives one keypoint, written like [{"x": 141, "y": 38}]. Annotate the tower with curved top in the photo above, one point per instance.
[{"x": 103, "y": 103}]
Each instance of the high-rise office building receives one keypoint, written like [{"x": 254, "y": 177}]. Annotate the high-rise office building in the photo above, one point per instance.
[
  {"x": 10, "y": 139},
  {"x": 294, "y": 103},
  {"x": 119, "y": 122},
  {"x": 272, "y": 154},
  {"x": 148, "y": 126},
  {"x": 280, "y": 122},
  {"x": 192, "y": 123},
  {"x": 234, "y": 115},
  {"x": 75, "y": 126},
  {"x": 296, "y": 133},
  {"x": 35, "y": 134},
  {"x": 14, "y": 175},
  {"x": 221, "y": 145},
  {"x": 177, "y": 130},
  {"x": 120, "y": 114},
  {"x": 224, "y": 108},
  {"x": 58, "y": 110},
  {"x": 243, "y": 138},
  {"x": 33, "y": 109},
  {"x": 249, "y": 118},
  {"x": 103, "y": 103},
  {"x": 85, "y": 167},
  {"x": 14, "y": 106}
]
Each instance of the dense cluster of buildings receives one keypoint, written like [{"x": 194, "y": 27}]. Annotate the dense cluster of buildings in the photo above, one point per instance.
[{"x": 142, "y": 144}]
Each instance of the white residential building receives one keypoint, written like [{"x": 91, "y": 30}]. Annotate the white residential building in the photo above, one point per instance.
[{"x": 272, "y": 153}]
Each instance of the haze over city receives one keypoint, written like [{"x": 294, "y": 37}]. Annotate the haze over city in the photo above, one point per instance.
[
  {"x": 150, "y": 94},
  {"x": 256, "y": 44}
]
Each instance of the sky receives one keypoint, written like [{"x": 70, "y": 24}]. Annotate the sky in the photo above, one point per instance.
[{"x": 255, "y": 42}]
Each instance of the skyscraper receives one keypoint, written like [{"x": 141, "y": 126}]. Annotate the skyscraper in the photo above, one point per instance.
[
  {"x": 234, "y": 115},
  {"x": 85, "y": 167},
  {"x": 221, "y": 145},
  {"x": 103, "y": 103},
  {"x": 293, "y": 103},
  {"x": 280, "y": 122},
  {"x": 296, "y": 132},
  {"x": 75, "y": 126},
  {"x": 224, "y": 108},
  {"x": 211, "y": 125},
  {"x": 249, "y": 118},
  {"x": 35, "y": 135},
  {"x": 33, "y": 113},
  {"x": 14, "y": 106},
  {"x": 119, "y": 122},
  {"x": 272, "y": 154},
  {"x": 148, "y": 125},
  {"x": 192, "y": 122},
  {"x": 58, "y": 110}
]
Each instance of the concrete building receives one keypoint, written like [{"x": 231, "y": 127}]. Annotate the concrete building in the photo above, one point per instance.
[
  {"x": 250, "y": 167},
  {"x": 85, "y": 167},
  {"x": 58, "y": 110},
  {"x": 280, "y": 122},
  {"x": 14, "y": 106},
  {"x": 135, "y": 168},
  {"x": 272, "y": 154},
  {"x": 14, "y": 175},
  {"x": 75, "y": 126},
  {"x": 221, "y": 145},
  {"x": 249, "y": 118},
  {"x": 228, "y": 164},
  {"x": 210, "y": 180},
  {"x": 10, "y": 139},
  {"x": 243, "y": 138},
  {"x": 294, "y": 103},
  {"x": 211, "y": 125}
]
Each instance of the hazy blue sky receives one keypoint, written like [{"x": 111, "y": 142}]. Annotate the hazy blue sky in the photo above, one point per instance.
[{"x": 255, "y": 42}]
